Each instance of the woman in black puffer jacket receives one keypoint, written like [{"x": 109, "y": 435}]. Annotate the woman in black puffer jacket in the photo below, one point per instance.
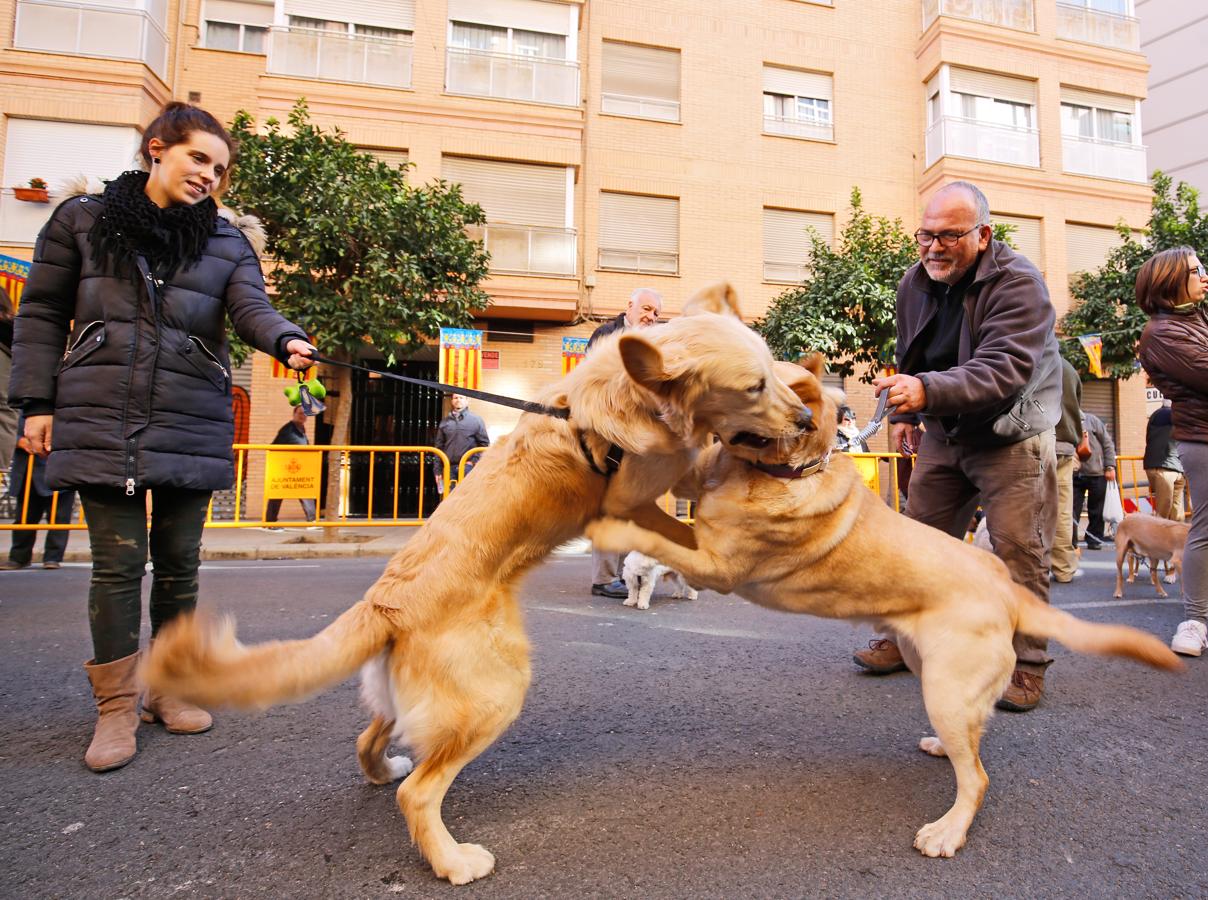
[{"x": 120, "y": 365}]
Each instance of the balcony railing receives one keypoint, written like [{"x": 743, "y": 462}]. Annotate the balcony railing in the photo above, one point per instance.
[
  {"x": 797, "y": 128},
  {"x": 505, "y": 76},
  {"x": 974, "y": 139},
  {"x": 640, "y": 107},
  {"x": 1093, "y": 26},
  {"x": 1104, "y": 159},
  {"x": 528, "y": 249},
  {"x": 1018, "y": 14},
  {"x": 649, "y": 261},
  {"x": 331, "y": 56},
  {"x": 83, "y": 29}
]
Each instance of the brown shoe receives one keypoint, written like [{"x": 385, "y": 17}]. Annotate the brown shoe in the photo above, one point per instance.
[
  {"x": 1023, "y": 693},
  {"x": 881, "y": 658},
  {"x": 116, "y": 691},
  {"x": 176, "y": 715}
]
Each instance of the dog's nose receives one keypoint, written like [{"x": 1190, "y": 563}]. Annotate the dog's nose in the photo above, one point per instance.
[{"x": 805, "y": 419}]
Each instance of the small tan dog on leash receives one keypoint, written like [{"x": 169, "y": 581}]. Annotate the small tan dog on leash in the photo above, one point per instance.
[{"x": 1156, "y": 539}]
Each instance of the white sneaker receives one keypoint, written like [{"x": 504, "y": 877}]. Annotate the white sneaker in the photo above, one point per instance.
[{"x": 1190, "y": 639}]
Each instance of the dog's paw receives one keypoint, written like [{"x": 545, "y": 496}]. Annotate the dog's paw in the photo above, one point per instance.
[
  {"x": 1118, "y": 595},
  {"x": 468, "y": 863},
  {"x": 1171, "y": 578},
  {"x": 630, "y": 601},
  {"x": 398, "y": 767},
  {"x": 609, "y": 534},
  {"x": 932, "y": 746},
  {"x": 940, "y": 838},
  {"x": 643, "y": 604}
]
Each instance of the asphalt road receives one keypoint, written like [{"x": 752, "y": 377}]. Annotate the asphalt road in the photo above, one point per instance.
[{"x": 700, "y": 749}]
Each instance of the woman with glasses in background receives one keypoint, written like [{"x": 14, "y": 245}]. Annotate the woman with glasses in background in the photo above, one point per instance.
[{"x": 1174, "y": 351}]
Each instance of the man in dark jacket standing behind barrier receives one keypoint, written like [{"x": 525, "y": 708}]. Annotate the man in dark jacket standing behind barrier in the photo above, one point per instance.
[
  {"x": 458, "y": 433},
  {"x": 978, "y": 367}
]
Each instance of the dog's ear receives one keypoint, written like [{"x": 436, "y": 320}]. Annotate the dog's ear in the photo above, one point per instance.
[
  {"x": 800, "y": 380},
  {"x": 644, "y": 363},
  {"x": 716, "y": 298},
  {"x": 815, "y": 364}
]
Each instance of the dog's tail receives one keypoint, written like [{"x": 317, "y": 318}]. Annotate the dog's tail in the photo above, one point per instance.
[
  {"x": 199, "y": 660},
  {"x": 1041, "y": 620}
]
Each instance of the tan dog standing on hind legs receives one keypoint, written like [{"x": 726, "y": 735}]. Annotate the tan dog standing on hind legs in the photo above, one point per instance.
[
  {"x": 792, "y": 528},
  {"x": 445, "y": 656},
  {"x": 1156, "y": 539}
]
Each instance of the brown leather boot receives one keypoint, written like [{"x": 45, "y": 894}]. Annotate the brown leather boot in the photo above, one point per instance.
[
  {"x": 176, "y": 715},
  {"x": 1023, "y": 693},
  {"x": 116, "y": 691},
  {"x": 881, "y": 658}
]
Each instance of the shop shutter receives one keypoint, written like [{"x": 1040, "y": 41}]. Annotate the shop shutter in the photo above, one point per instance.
[
  {"x": 634, "y": 222},
  {"x": 630, "y": 70},
  {"x": 396, "y": 14},
  {"x": 1114, "y": 102},
  {"x": 529, "y": 15},
  {"x": 786, "y": 236},
  {"x": 509, "y": 192},
  {"x": 988, "y": 84},
  {"x": 1099, "y": 397},
  {"x": 796, "y": 83},
  {"x": 1087, "y": 246},
  {"x": 1026, "y": 237}
]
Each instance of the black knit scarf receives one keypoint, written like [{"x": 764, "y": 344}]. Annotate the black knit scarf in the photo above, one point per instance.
[{"x": 131, "y": 224}]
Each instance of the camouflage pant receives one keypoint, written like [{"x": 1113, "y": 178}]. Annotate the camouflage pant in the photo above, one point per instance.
[{"x": 117, "y": 531}]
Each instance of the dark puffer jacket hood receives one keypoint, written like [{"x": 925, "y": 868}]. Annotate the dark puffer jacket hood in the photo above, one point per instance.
[{"x": 137, "y": 371}]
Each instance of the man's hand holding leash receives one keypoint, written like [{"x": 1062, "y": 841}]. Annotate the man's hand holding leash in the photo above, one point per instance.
[{"x": 905, "y": 394}]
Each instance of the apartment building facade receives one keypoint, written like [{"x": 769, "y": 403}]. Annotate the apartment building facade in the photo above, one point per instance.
[{"x": 624, "y": 144}]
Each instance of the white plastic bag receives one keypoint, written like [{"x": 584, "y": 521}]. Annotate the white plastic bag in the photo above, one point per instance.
[{"x": 1113, "y": 509}]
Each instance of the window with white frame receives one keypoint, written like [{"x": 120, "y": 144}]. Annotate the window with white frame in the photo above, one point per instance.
[
  {"x": 239, "y": 25},
  {"x": 514, "y": 41},
  {"x": 639, "y": 233},
  {"x": 981, "y": 115},
  {"x": 797, "y": 103},
  {"x": 1100, "y": 117},
  {"x": 58, "y": 153},
  {"x": 1115, "y": 7},
  {"x": 639, "y": 81},
  {"x": 788, "y": 237},
  {"x": 529, "y": 209}
]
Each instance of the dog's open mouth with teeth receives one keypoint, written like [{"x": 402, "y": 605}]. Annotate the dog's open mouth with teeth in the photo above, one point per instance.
[{"x": 750, "y": 439}]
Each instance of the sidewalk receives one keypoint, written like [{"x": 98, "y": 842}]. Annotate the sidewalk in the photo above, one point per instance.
[{"x": 291, "y": 542}]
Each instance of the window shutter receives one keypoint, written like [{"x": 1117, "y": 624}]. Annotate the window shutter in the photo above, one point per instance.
[
  {"x": 1114, "y": 102},
  {"x": 634, "y": 71},
  {"x": 998, "y": 87},
  {"x": 392, "y": 158},
  {"x": 529, "y": 15},
  {"x": 786, "y": 239},
  {"x": 634, "y": 222},
  {"x": 512, "y": 193},
  {"x": 796, "y": 83},
  {"x": 1087, "y": 246},
  {"x": 59, "y": 151},
  {"x": 396, "y": 14},
  {"x": 243, "y": 12},
  {"x": 1026, "y": 237},
  {"x": 1099, "y": 397}
]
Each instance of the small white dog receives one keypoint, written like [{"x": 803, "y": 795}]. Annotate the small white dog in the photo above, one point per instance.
[{"x": 642, "y": 575}]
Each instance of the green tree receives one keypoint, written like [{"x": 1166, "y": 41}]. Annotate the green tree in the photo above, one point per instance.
[
  {"x": 845, "y": 309},
  {"x": 357, "y": 255},
  {"x": 1105, "y": 300}
]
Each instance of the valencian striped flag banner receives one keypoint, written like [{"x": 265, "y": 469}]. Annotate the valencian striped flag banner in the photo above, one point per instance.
[
  {"x": 13, "y": 273},
  {"x": 461, "y": 357},
  {"x": 1093, "y": 345},
  {"x": 573, "y": 351}
]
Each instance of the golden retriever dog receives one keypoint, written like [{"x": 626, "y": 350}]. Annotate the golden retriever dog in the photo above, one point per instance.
[
  {"x": 1156, "y": 539},
  {"x": 793, "y": 528},
  {"x": 440, "y": 637}
]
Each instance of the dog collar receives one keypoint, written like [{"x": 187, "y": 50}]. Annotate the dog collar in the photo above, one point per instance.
[
  {"x": 612, "y": 459},
  {"x": 809, "y": 468}
]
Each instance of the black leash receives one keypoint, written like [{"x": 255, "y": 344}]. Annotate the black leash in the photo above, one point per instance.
[{"x": 529, "y": 406}]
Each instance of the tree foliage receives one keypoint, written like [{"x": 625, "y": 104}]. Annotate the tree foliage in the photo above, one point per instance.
[
  {"x": 358, "y": 254},
  {"x": 1105, "y": 299},
  {"x": 845, "y": 309}
]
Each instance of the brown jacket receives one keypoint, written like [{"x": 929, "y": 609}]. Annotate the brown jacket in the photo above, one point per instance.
[
  {"x": 1006, "y": 385},
  {"x": 1174, "y": 352}
]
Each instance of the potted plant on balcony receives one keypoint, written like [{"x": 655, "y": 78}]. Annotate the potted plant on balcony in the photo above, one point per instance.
[{"x": 35, "y": 193}]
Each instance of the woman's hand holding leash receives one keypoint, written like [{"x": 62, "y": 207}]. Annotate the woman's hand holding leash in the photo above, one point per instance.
[{"x": 299, "y": 353}]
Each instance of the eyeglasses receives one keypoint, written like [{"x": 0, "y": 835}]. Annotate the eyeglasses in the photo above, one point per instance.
[
  {"x": 1198, "y": 270},
  {"x": 947, "y": 239}
]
